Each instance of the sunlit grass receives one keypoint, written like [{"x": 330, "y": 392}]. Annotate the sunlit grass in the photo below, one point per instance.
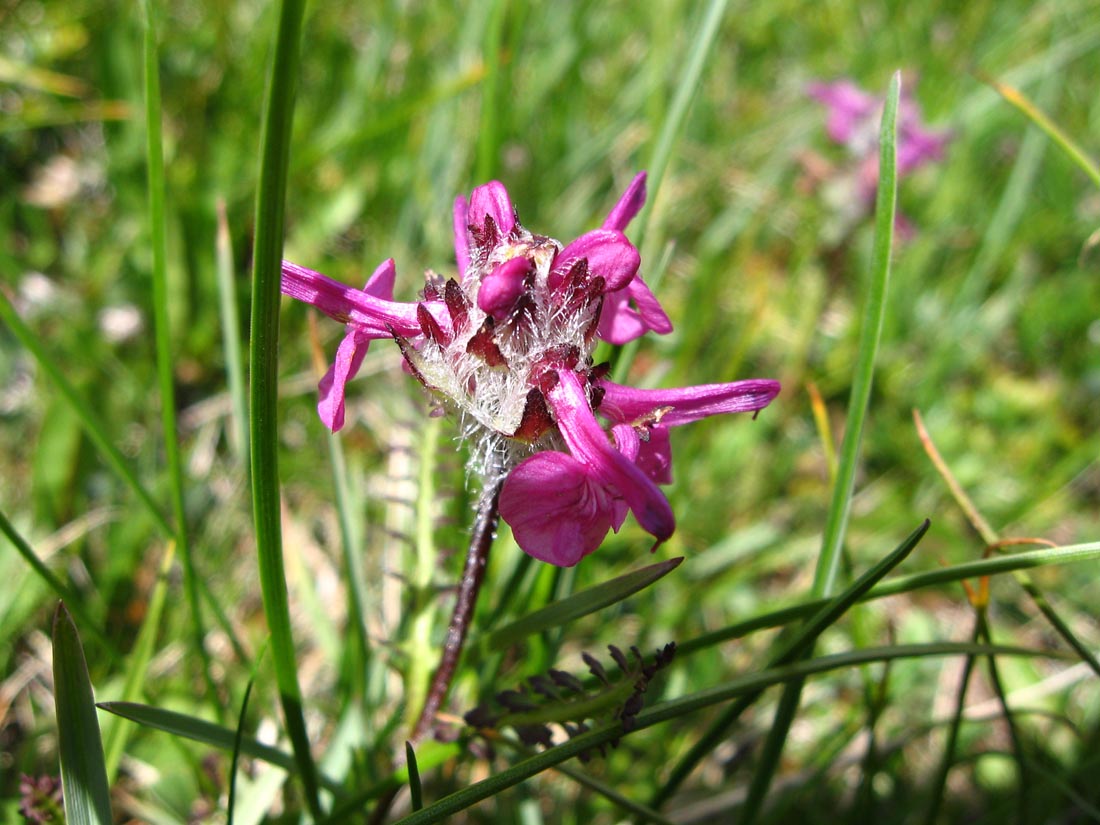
[{"x": 990, "y": 331}]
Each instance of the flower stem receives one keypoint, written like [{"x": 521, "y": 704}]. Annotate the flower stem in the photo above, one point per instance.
[{"x": 477, "y": 558}]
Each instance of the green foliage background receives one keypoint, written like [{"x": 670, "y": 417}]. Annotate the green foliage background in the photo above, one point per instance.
[{"x": 993, "y": 333}]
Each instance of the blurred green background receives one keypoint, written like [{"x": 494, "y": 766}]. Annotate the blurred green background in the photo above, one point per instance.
[{"x": 992, "y": 332}]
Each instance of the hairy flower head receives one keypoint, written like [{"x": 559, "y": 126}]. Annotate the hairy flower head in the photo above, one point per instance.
[{"x": 508, "y": 344}]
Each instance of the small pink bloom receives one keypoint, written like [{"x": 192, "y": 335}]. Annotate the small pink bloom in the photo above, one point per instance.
[{"x": 853, "y": 122}]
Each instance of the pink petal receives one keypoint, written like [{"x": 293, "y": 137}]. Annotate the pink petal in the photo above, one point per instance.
[
  {"x": 649, "y": 307},
  {"x": 462, "y": 244},
  {"x": 492, "y": 200},
  {"x": 610, "y": 255},
  {"x": 558, "y": 512},
  {"x": 655, "y": 456},
  {"x": 629, "y": 205},
  {"x": 501, "y": 287},
  {"x": 619, "y": 321},
  {"x": 380, "y": 283},
  {"x": 349, "y": 357},
  {"x": 373, "y": 315},
  {"x": 588, "y": 444},
  {"x": 849, "y": 106},
  {"x": 626, "y": 404}
]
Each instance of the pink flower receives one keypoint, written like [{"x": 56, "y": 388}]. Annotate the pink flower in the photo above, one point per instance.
[
  {"x": 508, "y": 346},
  {"x": 853, "y": 122}
]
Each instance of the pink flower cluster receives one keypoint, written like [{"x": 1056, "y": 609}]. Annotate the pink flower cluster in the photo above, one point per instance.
[
  {"x": 853, "y": 122},
  {"x": 508, "y": 345}
]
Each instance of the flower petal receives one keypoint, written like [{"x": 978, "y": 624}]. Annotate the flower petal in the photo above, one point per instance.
[
  {"x": 685, "y": 404},
  {"x": 492, "y": 200},
  {"x": 501, "y": 288},
  {"x": 588, "y": 444},
  {"x": 462, "y": 244},
  {"x": 373, "y": 315},
  {"x": 629, "y": 205},
  {"x": 620, "y": 322},
  {"x": 610, "y": 255},
  {"x": 558, "y": 512},
  {"x": 655, "y": 456},
  {"x": 349, "y": 357},
  {"x": 849, "y": 106}
]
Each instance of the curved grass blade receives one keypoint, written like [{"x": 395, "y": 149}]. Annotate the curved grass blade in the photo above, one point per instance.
[
  {"x": 901, "y": 584},
  {"x": 52, "y": 581},
  {"x": 580, "y": 604},
  {"x": 83, "y": 770},
  {"x": 1053, "y": 131},
  {"x": 992, "y": 539},
  {"x": 673, "y": 709},
  {"x": 686, "y": 87},
  {"x": 263, "y": 362},
  {"x": 231, "y": 339},
  {"x": 138, "y": 665},
  {"x": 796, "y": 645},
  {"x": 238, "y": 739},
  {"x": 414, "y": 777},
  {"x": 836, "y": 522},
  {"x": 209, "y": 733},
  {"x": 162, "y": 333},
  {"x": 90, "y": 421}
]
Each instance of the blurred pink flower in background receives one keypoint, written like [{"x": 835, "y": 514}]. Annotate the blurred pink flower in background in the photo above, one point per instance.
[{"x": 853, "y": 122}]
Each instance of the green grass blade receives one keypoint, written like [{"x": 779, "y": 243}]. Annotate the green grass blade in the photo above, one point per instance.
[
  {"x": 874, "y": 314},
  {"x": 88, "y": 419},
  {"x": 83, "y": 771},
  {"x": 1053, "y": 131},
  {"x": 580, "y": 604},
  {"x": 414, "y": 778},
  {"x": 676, "y": 708},
  {"x": 137, "y": 667},
  {"x": 264, "y": 377},
  {"x": 158, "y": 236},
  {"x": 673, "y": 125},
  {"x": 789, "y": 649},
  {"x": 209, "y": 733},
  {"x": 948, "y": 757},
  {"x": 234, "y": 763},
  {"x": 351, "y": 547},
  {"x": 231, "y": 339},
  {"x": 53, "y": 582},
  {"x": 836, "y": 523},
  {"x": 489, "y": 133},
  {"x": 901, "y": 584}
]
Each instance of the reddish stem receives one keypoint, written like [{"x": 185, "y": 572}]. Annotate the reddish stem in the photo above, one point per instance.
[{"x": 477, "y": 557}]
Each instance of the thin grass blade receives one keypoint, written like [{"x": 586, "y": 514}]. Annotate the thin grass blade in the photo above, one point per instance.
[
  {"x": 750, "y": 683},
  {"x": 414, "y": 777},
  {"x": 901, "y": 584},
  {"x": 836, "y": 523},
  {"x": 580, "y": 604},
  {"x": 238, "y": 739},
  {"x": 686, "y": 87},
  {"x": 53, "y": 582},
  {"x": 209, "y": 733},
  {"x": 138, "y": 665},
  {"x": 83, "y": 770},
  {"x": 88, "y": 419},
  {"x": 264, "y": 378},
  {"x": 789, "y": 649},
  {"x": 231, "y": 339},
  {"x": 1053, "y": 131}
]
